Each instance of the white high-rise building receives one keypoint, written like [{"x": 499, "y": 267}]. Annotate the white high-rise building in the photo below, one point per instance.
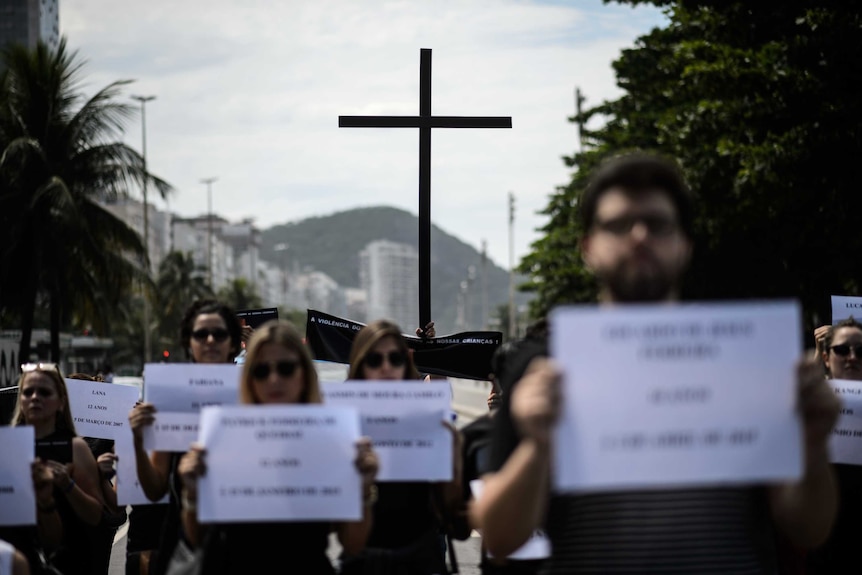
[
  {"x": 159, "y": 223},
  {"x": 389, "y": 274}
]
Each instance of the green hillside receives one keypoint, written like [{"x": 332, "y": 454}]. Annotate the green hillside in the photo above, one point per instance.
[{"x": 332, "y": 243}]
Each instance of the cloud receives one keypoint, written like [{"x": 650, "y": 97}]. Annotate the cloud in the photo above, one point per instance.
[{"x": 250, "y": 92}]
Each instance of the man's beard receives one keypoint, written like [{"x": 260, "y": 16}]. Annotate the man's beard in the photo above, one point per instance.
[{"x": 629, "y": 283}]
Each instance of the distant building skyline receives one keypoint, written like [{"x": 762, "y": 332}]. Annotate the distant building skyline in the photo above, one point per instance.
[
  {"x": 28, "y": 21},
  {"x": 389, "y": 274}
]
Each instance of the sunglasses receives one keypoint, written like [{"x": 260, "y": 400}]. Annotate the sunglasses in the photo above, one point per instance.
[
  {"x": 28, "y": 367},
  {"x": 656, "y": 225},
  {"x": 843, "y": 350},
  {"x": 283, "y": 368},
  {"x": 374, "y": 359},
  {"x": 219, "y": 334},
  {"x": 40, "y": 391}
]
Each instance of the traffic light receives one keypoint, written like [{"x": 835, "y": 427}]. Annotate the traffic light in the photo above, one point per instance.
[{"x": 166, "y": 354}]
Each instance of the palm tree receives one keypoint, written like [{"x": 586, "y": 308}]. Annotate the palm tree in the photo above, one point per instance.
[
  {"x": 179, "y": 283},
  {"x": 60, "y": 158},
  {"x": 240, "y": 294}
]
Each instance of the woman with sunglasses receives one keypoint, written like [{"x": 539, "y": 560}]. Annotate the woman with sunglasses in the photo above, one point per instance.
[
  {"x": 65, "y": 477},
  {"x": 405, "y": 535},
  {"x": 209, "y": 333},
  {"x": 840, "y": 349},
  {"x": 278, "y": 370}
]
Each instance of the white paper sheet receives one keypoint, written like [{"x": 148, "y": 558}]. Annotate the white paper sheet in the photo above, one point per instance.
[
  {"x": 660, "y": 396},
  {"x": 404, "y": 419},
  {"x": 279, "y": 463},
  {"x": 188, "y": 387},
  {"x": 845, "y": 306},
  {"x": 101, "y": 409},
  {"x": 17, "y": 498},
  {"x": 845, "y": 443}
]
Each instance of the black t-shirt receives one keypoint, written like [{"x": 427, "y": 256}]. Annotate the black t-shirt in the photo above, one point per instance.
[
  {"x": 841, "y": 549},
  {"x": 402, "y": 515},
  {"x": 726, "y": 530},
  {"x": 244, "y": 548}
]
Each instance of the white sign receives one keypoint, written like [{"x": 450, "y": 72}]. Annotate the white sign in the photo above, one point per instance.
[
  {"x": 188, "y": 387},
  {"x": 538, "y": 546},
  {"x": 845, "y": 306},
  {"x": 845, "y": 443},
  {"x": 129, "y": 490},
  {"x": 660, "y": 396},
  {"x": 404, "y": 420},
  {"x": 17, "y": 498},
  {"x": 101, "y": 409},
  {"x": 279, "y": 463},
  {"x": 171, "y": 431}
]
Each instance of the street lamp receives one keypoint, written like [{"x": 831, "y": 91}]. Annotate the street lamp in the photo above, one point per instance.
[
  {"x": 282, "y": 249},
  {"x": 143, "y": 100},
  {"x": 208, "y": 182}
]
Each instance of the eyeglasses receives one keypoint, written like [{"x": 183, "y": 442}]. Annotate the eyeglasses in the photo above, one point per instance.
[
  {"x": 657, "y": 226},
  {"x": 28, "y": 367},
  {"x": 374, "y": 359},
  {"x": 40, "y": 391},
  {"x": 219, "y": 334},
  {"x": 843, "y": 350},
  {"x": 284, "y": 368}
]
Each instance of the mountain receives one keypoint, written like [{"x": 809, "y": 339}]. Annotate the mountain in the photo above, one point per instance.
[{"x": 332, "y": 243}]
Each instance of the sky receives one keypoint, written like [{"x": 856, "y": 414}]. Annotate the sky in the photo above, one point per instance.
[{"x": 250, "y": 93}]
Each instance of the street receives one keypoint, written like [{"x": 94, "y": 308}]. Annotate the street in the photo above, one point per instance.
[{"x": 469, "y": 402}]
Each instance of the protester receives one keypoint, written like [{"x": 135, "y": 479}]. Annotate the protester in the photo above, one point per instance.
[
  {"x": 278, "y": 370},
  {"x": 841, "y": 353},
  {"x": 12, "y": 561},
  {"x": 637, "y": 219},
  {"x": 209, "y": 333},
  {"x": 508, "y": 364},
  {"x": 69, "y": 499},
  {"x": 102, "y": 536},
  {"x": 405, "y": 534}
]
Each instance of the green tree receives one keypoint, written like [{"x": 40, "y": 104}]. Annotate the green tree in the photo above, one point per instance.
[
  {"x": 179, "y": 283},
  {"x": 755, "y": 101},
  {"x": 60, "y": 159},
  {"x": 240, "y": 294}
]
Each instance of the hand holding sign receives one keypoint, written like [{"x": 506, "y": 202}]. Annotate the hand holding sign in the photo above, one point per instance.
[
  {"x": 142, "y": 415},
  {"x": 820, "y": 408},
  {"x": 536, "y": 401}
]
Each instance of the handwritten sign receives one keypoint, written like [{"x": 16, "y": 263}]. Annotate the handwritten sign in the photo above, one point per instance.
[
  {"x": 660, "y": 396},
  {"x": 404, "y": 420},
  {"x": 179, "y": 392},
  {"x": 279, "y": 463},
  {"x": 845, "y": 443},
  {"x": 845, "y": 306},
  {"x": 17, "y": 498},
  {"x": 101, "y": 409}
]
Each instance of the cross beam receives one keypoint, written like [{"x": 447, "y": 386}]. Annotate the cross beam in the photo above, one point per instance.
[{"x": 425, "y": 122}]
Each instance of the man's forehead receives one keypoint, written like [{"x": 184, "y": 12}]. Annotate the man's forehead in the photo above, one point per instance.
[{"x": 617, "y": 200}]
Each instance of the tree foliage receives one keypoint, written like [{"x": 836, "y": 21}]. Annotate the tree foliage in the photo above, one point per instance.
[
  {"x": 60, "y": 159},
  {"x": 759, "y": 102}
]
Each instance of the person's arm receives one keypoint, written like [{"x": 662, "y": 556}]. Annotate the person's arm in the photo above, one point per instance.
[
  {"x": 48, "y": 523},
  {"x": 804, "y": 511},
  {"x": 153, "y": 470},
  {"x": 192, "y": 466},
  {"x": 79, "y": 483},
  {"x": 820, "y": 335},
  {"x": 20, "y": 566},
  {"x": 354, "y": 534},
  {"x": 105, "y": 463},
  {"x": 515, "y": 498}
]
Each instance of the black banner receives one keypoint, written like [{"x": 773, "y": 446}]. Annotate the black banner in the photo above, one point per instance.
[
  {"x": 466, "y": 355},
  {"x": 257, "y": 317}
]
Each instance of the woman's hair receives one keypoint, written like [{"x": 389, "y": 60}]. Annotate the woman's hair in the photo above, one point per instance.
[
  {"x": 849, "y": 322},
  {"x": 279, "y": 332},
  {"x": 368, "y": 337},
  {"x": 64, "y": 414},
  {"x": 85, "y": 376},
  {"x": 205, "y": 306}
]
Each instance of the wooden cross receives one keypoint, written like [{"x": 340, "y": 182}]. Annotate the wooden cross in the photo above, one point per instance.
[{"x": 425, "y": 122}]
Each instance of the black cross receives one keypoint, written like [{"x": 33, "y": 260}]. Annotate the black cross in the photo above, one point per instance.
[{"x": 424, "y": 121}]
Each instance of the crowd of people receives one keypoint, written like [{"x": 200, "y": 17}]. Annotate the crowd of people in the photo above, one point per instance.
[{"x": 637, "y": 217}]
